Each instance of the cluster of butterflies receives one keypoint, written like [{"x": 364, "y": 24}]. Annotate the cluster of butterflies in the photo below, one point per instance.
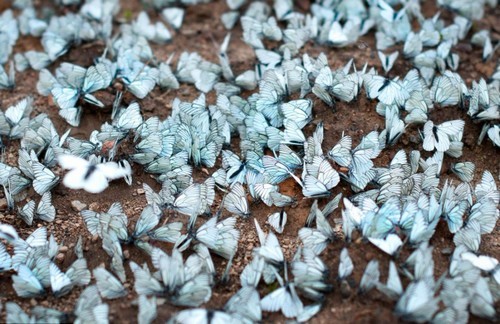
[
  {"x": 392, "y": 205},
  {"x": 41, "y": 150}
]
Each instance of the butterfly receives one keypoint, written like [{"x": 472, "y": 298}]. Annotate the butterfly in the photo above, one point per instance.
[
  {"x": 278, "y": 221},
  {"x": 16, "y": 118},
  {"x": 147, "y": 309},
  {"x": 89, "y": 306},
  {"x": 8, "y": 233},
  {"x": 220, "y": 237},
  {"x": 407, "y": 306},
  {"x": 388, "y": 61},
  {"x": 345, "y": 265},
  {"x": 448, "y": 89},
  {"x": 438, "y": 136},
  {"x": 109, "y": 287},
  {"x": 186, "y": 283},
  {"x": 44, "y": 211},
  {"x": 236, "y": 201},
  {"x": 370, "y": 277},
  {"x": 7, "y": 81},
  {"x": 173, "y": 16},
  {"x": 394, "y": 288},
  {"x": 310, "y": 274},
  {"x": 201, "y": 315},
  {"x": 245, "y": 304},
  {"x": 284, "y": 299},
  {"x": 387, "y": 91},
  {"x": 463, "y": 170},
  {"x": 469, "y": 235},
  {"x": 91, "y": 176},
  {"x": 317, "y": 239},
  {"x": 157, "y": 33}
]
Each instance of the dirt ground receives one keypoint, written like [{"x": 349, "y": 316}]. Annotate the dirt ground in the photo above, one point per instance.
[{"x": 201, "y": 28}]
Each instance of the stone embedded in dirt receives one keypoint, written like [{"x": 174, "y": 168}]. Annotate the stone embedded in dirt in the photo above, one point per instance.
[
  {"x": 78, "y": 205},
  {"x": 446, "y": 251},
  {"x": 140, "y": 191},
  {"x": 345, "y": 289},
  {"x": 3, "y": 203},
  {"x": 63, "y": 249},
  {"x": 60, "y": 257}
]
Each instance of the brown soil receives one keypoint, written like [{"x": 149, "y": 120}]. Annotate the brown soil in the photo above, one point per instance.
[{"x": 201, "y": 27}]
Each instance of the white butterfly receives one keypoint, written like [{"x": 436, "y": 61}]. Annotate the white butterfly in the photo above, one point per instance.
[
  {"x": 109, "y": 287},
  {"x": 92, "y": 177},
  {"x": 278, "y": 221},
  {"x": 236, "y": 201},
  {"x": 45, "y": 210},
  {"x": 370, "y": 277},
  {"x": 389, "y": 245},
  {"x": 393, "y": 289},
  {"x": 417, "y": 303},
  {"x": 388, "y": 60},
  {"x": 438, "y": 136}
]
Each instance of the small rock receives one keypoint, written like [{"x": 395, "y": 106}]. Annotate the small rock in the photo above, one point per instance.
[
  {"x": 94, "y": 206},
  {"x": 63, "y": 249},
  {"x": 414, "y": 139},
  {"x": 60, "y": 257},
  {"x": 345, "y": 289},
  {"x": 140, "y": 191},
  {"x": 95, "y": 238},
  {"x": 3, "y": 203},
  {"x": 126, "y": 254},
  {"x": 33, "y": 302},
  {"x": 78, "y": 205},
  {"x": 446, "y": 251},
  {"x": 118, "y": 86}
]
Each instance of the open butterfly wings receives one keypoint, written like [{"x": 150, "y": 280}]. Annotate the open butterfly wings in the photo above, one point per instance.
[{"x": 92, "y": 177}]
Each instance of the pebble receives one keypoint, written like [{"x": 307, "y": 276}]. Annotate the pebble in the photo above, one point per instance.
[
  {"x": 3, "y": 203},
  {"x": 94, "y": 206},
  {"x": 95, "y": 238},
  {"x": 140, "y": 191},
  {"x": 33, "y": 302},
  {"x": 63, "y": 249},
  {"x": 126, "y": 254},
  {"x": 446, "y": 251},
  {"x": 345, "y": 289},
  {"x": 60, "y": 257},
  {"x": 78, "y": 205}
]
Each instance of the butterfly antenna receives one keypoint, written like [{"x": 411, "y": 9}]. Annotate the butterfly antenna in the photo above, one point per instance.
[
  {"x": 2, "y": 151},
  {"x": 225, "y": 276},
  {"x": 192, "y": 221},
  {"x": 215, "y": 43},
  {"x": 221, "y": 207},
  {"x": 142, "y": 69}
]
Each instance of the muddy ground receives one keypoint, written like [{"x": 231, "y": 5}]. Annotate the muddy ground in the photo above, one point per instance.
[{"x": 201, "y": 28}]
